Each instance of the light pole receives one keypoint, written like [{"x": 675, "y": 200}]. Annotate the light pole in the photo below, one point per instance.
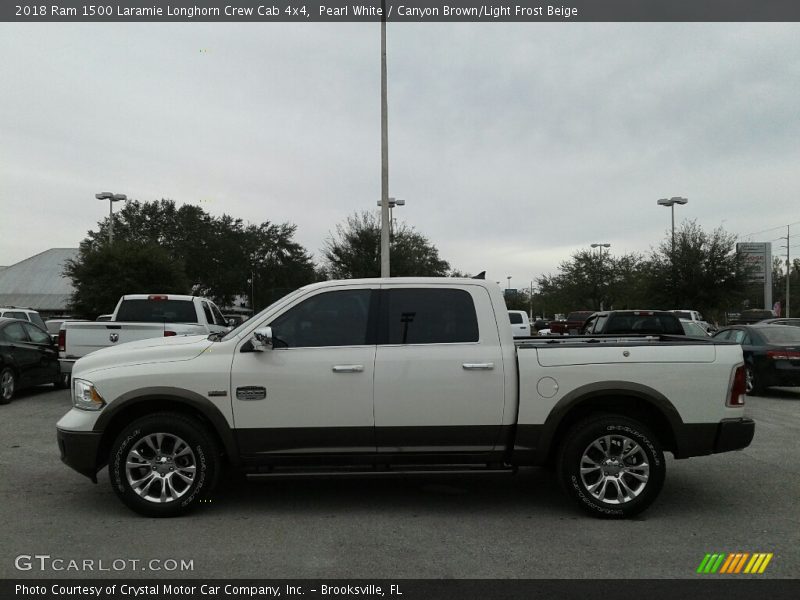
[
  {"x": 508, "y": 287},
  {"x": 385, "y": 271},
  {"x": 393, "y": 202},
  {"x": 111, "y": 197},
  {"x": 671, "y": 202},
  {"x": 600, "y": 254}
]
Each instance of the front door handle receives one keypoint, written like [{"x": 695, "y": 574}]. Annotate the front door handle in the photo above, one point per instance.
[
  {"x": 478, "y": 366},
  {"x": 348, "y": 368}
]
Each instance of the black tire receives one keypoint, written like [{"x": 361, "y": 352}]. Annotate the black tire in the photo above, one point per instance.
[
  {"x": 8, "y": 385},
  {"x": 155, "y": 443},
  {"x": 63, "y": 381},
  {"x": 611, "y": 485},
  {"x": 753, "y": 385}
]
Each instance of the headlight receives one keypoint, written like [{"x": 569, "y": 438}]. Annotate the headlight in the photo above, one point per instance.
[{"x": 85, "y": 396}]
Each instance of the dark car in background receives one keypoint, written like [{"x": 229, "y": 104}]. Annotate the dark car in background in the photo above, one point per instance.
[
  {"x": 637, "y": 322},
  {"x": 539, "y": 324},
  {"x": 752, "y": 315},
  {"x": 572, "y": 324},
  {"x": 28, "y": 357},
  {"x": 771, "y": 354}
]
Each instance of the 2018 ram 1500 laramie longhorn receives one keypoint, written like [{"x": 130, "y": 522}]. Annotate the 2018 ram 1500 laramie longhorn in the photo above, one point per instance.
[{"x": 402, "y": 374}]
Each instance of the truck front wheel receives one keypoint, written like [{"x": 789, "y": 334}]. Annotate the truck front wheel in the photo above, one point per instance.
[
  {"x": 612, "y": 466},
  {"x": 162, "y": 465}
]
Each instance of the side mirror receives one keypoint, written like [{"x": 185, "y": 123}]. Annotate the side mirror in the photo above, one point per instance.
[{"x": 262, "y": 339}]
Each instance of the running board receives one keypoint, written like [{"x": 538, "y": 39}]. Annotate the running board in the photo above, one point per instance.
[{"x": 383, "y": 472}]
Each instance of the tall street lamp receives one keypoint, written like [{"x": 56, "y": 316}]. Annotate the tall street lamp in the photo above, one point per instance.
[
  {"x": 385, "y": 271},
  {"x": 600, "y": 253},
  {"x": 393, "y": 202},
  {"x": 671, "y": 202},
  {"x": 111, "y": 197}
]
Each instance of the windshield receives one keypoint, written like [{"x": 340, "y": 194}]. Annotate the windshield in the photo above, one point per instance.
[{"x": 238, "y": 330}]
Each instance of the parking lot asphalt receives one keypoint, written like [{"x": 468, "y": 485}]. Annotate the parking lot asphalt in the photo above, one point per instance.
[{"x": 442, "y": 526}]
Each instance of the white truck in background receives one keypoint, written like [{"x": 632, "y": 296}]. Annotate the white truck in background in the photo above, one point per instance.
[
  {"x": 138, "y": 317},
  {"x": 520, "y": 324},
  {"x": 395, "y": 376}
]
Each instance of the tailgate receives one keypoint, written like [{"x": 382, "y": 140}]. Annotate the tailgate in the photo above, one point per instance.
[{"x": 84, "y": 338}]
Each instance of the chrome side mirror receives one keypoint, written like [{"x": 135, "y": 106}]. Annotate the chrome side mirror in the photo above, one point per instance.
[{"x": 262, "y": 339}]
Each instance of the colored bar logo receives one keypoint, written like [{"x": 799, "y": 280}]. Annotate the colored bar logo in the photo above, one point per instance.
[{"x": 735, "y": 563}]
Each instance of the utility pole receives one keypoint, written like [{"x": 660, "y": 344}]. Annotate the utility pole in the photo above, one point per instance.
[
  {"x": 530, "y": 307},
  {"x": 385, "y": 270},
  {"x": 788, "y": 271}
]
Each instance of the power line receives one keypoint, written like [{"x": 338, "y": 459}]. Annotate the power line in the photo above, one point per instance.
[{"x": 770, "y": 229}]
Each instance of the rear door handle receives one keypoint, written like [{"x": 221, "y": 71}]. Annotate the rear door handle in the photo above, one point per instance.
[
  {"x": 478, "y": 366},
  {"x": 348, "y": 368}
]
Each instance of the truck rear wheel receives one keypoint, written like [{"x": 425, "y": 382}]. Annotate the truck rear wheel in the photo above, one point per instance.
[
  {"x": 612, "y": 466},
  {"x": 162, "y": 465}
]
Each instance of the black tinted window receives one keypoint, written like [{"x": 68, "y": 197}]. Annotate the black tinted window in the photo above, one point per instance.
[
  {"x": 431, "y": 316},
  {"x": 327, "y": 319},
  {"x": 157, "y": 311},
  {"x": 516, "y": 318}
]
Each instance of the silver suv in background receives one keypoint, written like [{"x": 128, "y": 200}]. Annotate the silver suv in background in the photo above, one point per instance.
[{"x": 26, "y": 314}]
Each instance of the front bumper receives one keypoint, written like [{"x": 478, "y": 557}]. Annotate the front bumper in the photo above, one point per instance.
[{"x": 79, "y": 450}]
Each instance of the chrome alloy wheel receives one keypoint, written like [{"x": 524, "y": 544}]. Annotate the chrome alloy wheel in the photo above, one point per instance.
[
  {"x": 749, "y": 379},
  {"x": 7, "y": 385},
  {"x": 614, "y": 469},
  {"x": 161, "y": 467}
]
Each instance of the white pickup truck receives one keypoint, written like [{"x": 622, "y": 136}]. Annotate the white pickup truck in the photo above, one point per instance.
[
  {"x": 138, "y": 317},
  {"x": 399, "y": 375}
]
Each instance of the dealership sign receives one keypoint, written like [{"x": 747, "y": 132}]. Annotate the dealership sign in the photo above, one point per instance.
[{"x": 758, "y": 256}]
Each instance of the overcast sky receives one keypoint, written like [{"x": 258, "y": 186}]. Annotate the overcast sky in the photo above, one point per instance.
[{"x": 514, "y": 145}]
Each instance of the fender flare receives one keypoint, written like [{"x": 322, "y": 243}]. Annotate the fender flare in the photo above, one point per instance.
[
  {"x": 605, "y": 389},
  {"x": 180, "y": 396}
]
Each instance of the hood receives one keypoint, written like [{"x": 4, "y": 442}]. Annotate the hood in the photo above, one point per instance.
[{"x": 151, "y": 350}]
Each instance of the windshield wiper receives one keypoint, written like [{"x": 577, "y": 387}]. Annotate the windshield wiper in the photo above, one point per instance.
[{"x": 217, "y": 336}]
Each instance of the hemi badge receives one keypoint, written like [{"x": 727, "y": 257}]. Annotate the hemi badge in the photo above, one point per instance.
[{"x": 217, "y": 393}]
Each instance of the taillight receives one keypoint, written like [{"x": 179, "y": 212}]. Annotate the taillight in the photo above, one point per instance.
[
  {"x": 62, "y": 340},
  {"x": 168, "y": 333},
  {"x": 783, "y": 354},
  {"x": 738, "y": 389}
]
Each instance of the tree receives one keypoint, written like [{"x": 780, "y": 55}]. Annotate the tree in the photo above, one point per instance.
[
  {"x": 706, "y": 274},
  {"x": 101, "y": 275},
  {"x": 354, "y": 251},
  {"x": 589, "y": 280},
  {"x": 221, "y": 256}
]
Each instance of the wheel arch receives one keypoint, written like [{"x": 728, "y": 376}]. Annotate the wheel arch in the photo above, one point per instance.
[
  {"x": 632, "y": 400},
  {"x": 133, "y": 405}
]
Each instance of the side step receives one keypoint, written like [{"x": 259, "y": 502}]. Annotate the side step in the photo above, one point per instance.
[{"x": 384, "y": 471}]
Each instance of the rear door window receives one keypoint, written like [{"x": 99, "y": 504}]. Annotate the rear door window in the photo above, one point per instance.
[
  {"x": 430, "y": 316},
  {"x": 15, "y": 333},
  {"x": 157, "y": 311}
]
